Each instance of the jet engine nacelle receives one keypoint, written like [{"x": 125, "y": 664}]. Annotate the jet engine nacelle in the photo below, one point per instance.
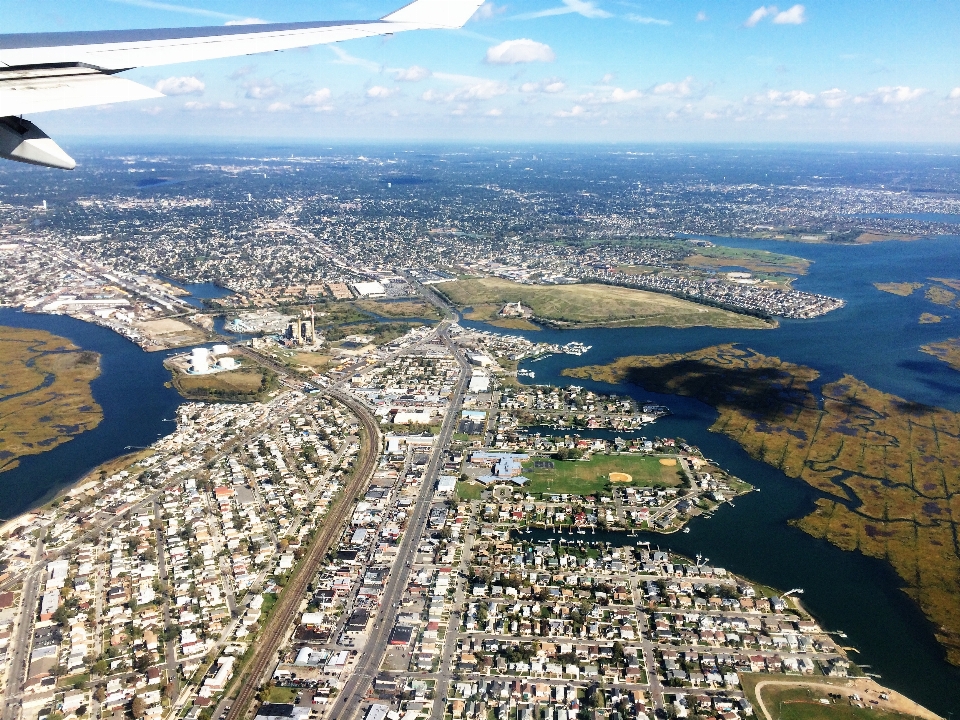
[{"x": 24, "y": 142}]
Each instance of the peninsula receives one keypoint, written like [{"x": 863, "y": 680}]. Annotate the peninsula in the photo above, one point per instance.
[
  {"x": 45, "y": 396},
  {"x": 586, "y": 305},
  {"x": 886, "y": 466},
  {"x": 948, "y": 351}
]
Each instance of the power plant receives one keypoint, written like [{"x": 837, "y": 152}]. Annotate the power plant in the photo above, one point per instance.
[{"x": 301, "y": 331}]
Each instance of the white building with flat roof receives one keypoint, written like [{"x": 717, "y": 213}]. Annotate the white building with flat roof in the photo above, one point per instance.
[{"x": 370, "y": 289}]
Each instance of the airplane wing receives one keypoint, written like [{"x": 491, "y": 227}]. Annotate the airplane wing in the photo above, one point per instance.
[{"x": 57, "y": 71}]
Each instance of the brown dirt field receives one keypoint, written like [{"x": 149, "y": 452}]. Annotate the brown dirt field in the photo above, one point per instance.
[{"x": 170, "y": 333}]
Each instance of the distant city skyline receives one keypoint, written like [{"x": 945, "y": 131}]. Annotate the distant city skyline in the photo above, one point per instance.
[{"x": 551, "y": 70}]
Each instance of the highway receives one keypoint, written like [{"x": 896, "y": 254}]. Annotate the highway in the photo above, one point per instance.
[{"x": 357, "y": 685}]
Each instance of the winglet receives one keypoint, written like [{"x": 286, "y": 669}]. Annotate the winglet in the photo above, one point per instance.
[{"x": 450, "y": 14}]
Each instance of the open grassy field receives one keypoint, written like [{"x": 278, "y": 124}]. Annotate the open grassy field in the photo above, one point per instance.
[
  {"x": 400, "y": 309},
  {"x": 469, "y": 491},
  {"x": 587, "y": 477},
  {"x": 761, "y": 261},
  {"x": 796, "y": 698},
  {"x": 589, "y": 305},
  {"x": 244, "y": 385},
  {"x": 898, "y": 461},
  {"x": 903, "y": 289},
  {"x": 45, "y": 396}
]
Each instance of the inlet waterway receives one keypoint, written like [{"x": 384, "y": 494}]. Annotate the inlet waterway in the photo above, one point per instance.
[
  {"x": 876, "y": 338},
  {"x": 137, "y": 409}
]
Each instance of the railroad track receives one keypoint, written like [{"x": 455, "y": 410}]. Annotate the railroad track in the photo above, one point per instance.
[{"x": 288, "y": 605}]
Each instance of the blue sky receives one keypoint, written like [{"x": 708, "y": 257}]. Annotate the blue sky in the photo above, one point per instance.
[{"x": 551, "y": 70}]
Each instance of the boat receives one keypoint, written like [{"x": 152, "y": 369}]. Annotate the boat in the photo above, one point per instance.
[{"x": 686, "y": 530}]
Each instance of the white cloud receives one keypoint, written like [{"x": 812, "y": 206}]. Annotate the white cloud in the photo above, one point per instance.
[
  {"x": 586, "y": 8},
  {"x": 833, "y": 98},
  {"x": 316, "y": 99},
  {"x": 278, "y": 107},
  {"x": 607, "y": 79},
  {"x": 379, "y": 92},
  {"x": 794, "y": 98},
  {"x": 479, "y": 89},
  {"x": 575, "y": 111},
  {"x": 495, "y": 112},
  {"x": 619, "y": 95},
  {"x": 759, "y": 14},
  {"x": 246, "y": 21},
  {"x": 241, "y": 72},
  {"x": 675, "y": 89},
  {"x": 794, "y": 16},
  {"x": 702, "y": 16},
  {"x": 152, "y": 110},
  {"x": 414, "y": 73},
  {"x": 524, "y": 50},
  {"x": 546, "y": 86},
  {"x": 488, "y": 11},
  {"x": 188, "y": 85},
  {"x": 194, "y": 105},
  {"x": 955, "y": 94},
  {"x": 644, "y": 20},
  {"x": 898, "y": 95},
  {"x": 262, "y": 89},
  {"x": 484, "y": 90}
]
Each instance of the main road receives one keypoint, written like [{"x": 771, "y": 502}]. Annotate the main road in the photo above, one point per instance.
[{"x": 357, "y": 685}]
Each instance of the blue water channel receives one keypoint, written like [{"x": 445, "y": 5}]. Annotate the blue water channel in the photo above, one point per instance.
[
  {"x": 876, "y": 338},
  {"x": 137, "y": 409}
]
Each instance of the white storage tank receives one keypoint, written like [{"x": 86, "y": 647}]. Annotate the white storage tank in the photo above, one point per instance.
[{"x": 200, "y": 360}]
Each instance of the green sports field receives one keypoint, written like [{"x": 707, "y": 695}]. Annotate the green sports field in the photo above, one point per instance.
[{"x": 579, "y": 477}]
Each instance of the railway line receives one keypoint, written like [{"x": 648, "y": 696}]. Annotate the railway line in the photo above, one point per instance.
[{"x": 281, "y": 620}]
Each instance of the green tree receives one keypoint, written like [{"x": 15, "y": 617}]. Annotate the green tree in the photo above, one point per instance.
[{"x": 138, "y": 707}]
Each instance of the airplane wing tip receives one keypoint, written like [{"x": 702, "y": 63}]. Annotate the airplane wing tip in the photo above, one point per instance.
[{"x": 450, "y": 14}]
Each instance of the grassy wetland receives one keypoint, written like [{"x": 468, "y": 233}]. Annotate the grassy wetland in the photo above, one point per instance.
[
  {"x": 889, "y": 469},
  {"x": 45, "y": 396}
]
